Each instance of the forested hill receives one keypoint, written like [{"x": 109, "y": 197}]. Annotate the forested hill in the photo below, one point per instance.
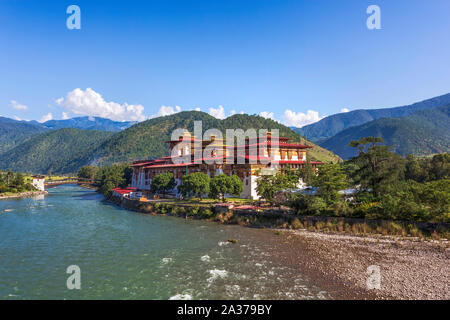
[
  {"x": 146, "y": 139},
  {"x": 334, "y": 124},
  {"x": 421, "y": 133},
  {"x": 55, "y": 151},
  {"x": 13, "y": 133}
]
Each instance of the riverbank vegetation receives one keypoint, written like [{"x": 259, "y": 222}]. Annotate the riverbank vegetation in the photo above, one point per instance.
[
  {"x": 383, "y": 186},
  {"x": 110, "y": 177},
  {"x": 12, "y": 183}
]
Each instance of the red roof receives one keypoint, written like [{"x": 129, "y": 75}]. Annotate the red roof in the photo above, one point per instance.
[
  {"x": 183, "y": 164},
  {"x": 169, "y": 165},
  {"x": 124, "y": 191},
  {"x": 280, "y": 144},
  {"x": 140, "y": 164},
  {"x": 121, "y": 191}
]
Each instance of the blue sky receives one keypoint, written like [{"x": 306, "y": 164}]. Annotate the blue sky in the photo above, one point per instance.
[{"x": 140, "y": 59}]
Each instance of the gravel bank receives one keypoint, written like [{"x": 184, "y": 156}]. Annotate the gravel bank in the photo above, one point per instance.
[
  {"x": 410, "y": 269},
  {"x": 24, "y": 195}
]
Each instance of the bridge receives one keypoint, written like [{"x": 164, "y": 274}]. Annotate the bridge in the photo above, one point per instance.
[{"x": 54, "y": 183}]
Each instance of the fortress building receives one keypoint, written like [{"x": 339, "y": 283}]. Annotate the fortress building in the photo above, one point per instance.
[{"x": 257, "y": 156}]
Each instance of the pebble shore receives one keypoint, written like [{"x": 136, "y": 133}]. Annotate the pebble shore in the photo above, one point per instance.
[
  {"x": 23, "y": 195},
  {"x": 410, "y": 268}
]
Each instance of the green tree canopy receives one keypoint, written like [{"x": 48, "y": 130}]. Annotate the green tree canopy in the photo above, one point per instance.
[
  {"x": 267, "y": 186},
  {"x": 110, "y": 177},
  {"x": 330, "y": 179},
  {"x": 377, "y": 167},
  {"x": 87, "y": 172},
  {"x": 223, "y": 184},
  {"x": 163, "y": 182},
  {"x": 196, "y": 184}
]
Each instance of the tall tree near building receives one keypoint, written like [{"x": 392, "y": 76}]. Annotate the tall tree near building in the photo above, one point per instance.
[
  {"x": 195, "y": 184},
  {"x": 163, "y": 183},
  {"x": 329, "y": 180},
  {"x": 267, "y": 186},
  {"x": 223, "y": 184},
  {"x": 377, "y": 167}
]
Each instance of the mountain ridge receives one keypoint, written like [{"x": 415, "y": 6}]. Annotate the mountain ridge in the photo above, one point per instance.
[
  {"x": 423, "y": 132},
  {"x": 332, "y": 125}
]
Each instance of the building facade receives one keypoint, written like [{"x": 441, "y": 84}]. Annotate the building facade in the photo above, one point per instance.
[
  {"x": 256, "y": 157},
  {"x": 38, "y": 182}
]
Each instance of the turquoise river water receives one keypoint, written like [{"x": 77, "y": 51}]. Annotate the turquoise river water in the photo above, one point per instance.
[{"x": 127, "y": 255}]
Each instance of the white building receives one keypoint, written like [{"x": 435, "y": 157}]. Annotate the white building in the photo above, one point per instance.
[{"x": 38, "y": 182}]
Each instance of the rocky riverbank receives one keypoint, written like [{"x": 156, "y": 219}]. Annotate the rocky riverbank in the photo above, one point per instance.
[
  {"x": 409, "y": 269},
  {"x": 23, "y": 195}
]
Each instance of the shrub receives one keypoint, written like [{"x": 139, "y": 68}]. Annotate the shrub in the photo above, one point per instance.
[{"x": 296, "y": 224}]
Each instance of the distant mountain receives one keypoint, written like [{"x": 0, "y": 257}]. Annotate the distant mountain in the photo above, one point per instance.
[
  {"x": 55, "y": 151},
  {"x": 89, "y": 123},
  {"x": 13, "y": 133},
  {"x": 423, "y": 132},
  {"x": 146, "y": 139},
  {"x": 331, "y": 125}
]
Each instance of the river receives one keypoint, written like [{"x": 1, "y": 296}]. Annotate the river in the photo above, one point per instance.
[{"x": 128, "y": 255}]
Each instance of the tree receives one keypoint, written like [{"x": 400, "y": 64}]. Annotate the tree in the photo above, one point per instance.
[
  {"x": 19, "y": 180},
  {"x": 366, "y": 143},
  {"x": 377, "y": 167},
  {"x": 196, "y": 183},
  {"x": 163, "y": 182},
  {"x": 223, "y": 184},
  {"x": 307, "y": 172},
  {"x": 9, "y": 177},
  {"x": 236, "y": 185},
  {"x": 87, "y": 172},
  {"x": 414, "y": 170},
  {"x": 440, "y": 166},
  {"x": 268, "y": 186},
  {"x": 329, "y": 180},
  {"x": 110, "y": 177}
]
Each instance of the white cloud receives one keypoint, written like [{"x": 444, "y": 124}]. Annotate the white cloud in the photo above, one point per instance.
[
  {"x": 91, "y": 103},
  {"x": 233, "y": 112},
  {"x": 197, "y": 109},
  {"x": 166, "y": 111},
  {"x": 267, "y": 115},
  {"x": 300, "y": 119},
  {"x": 65, "y": 116},
  {"x": 343, "y": 110},
  {"x": 46, "y": 117},
  {"x": 17, "y": 118},
  {"x": 218, "y": 113},
  {"x": 18, "y": 106}
]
